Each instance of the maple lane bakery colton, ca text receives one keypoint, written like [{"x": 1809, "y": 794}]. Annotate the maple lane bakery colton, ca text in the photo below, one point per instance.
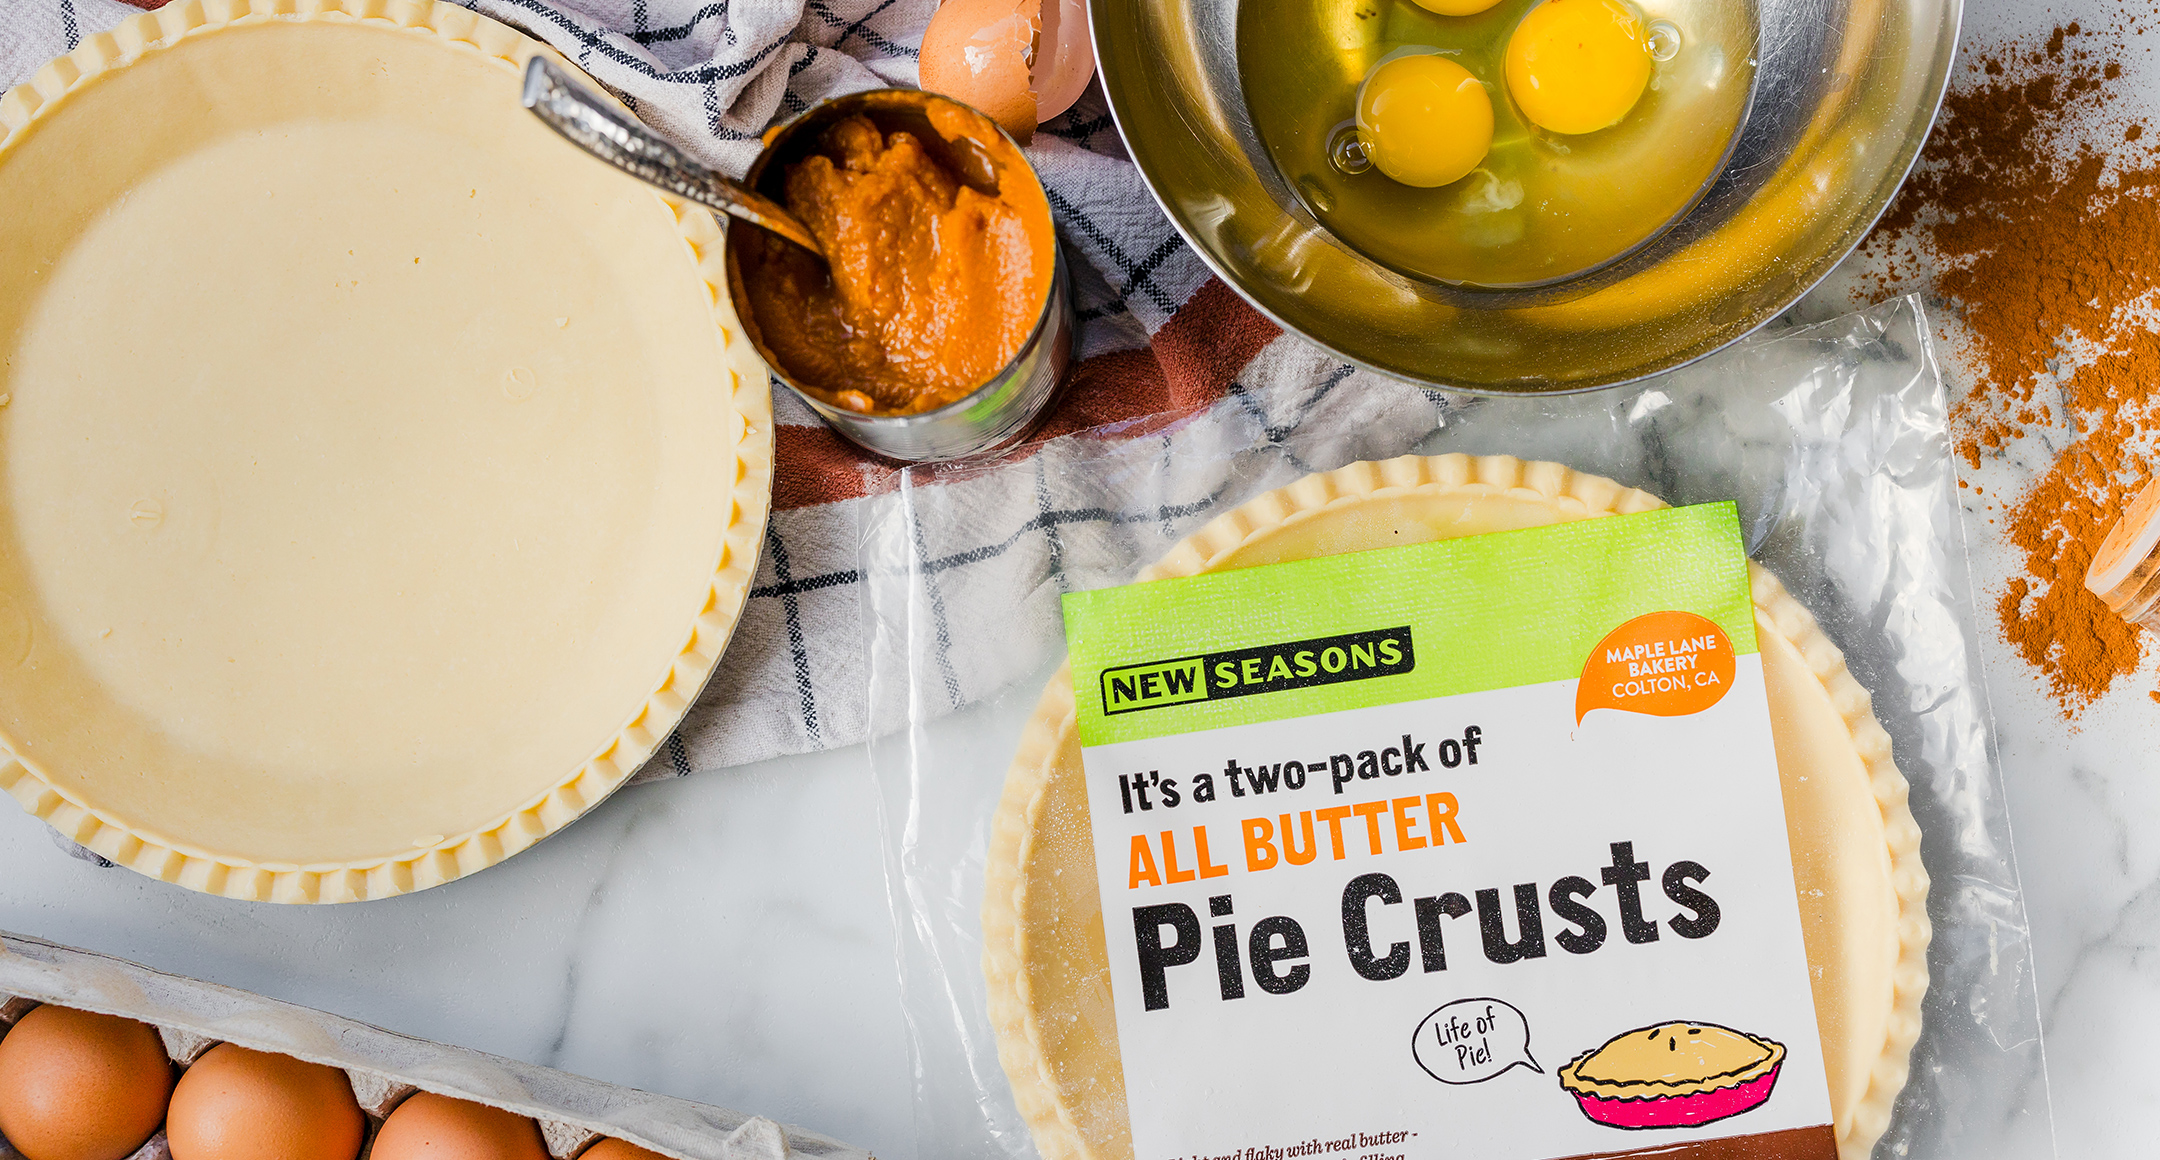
[{"x": 1275, "y": 954}]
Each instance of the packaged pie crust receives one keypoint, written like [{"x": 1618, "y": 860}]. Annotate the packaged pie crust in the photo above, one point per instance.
[
  {"x": 385, "y": 1068},
  {"x": 1603, "y": 776}
]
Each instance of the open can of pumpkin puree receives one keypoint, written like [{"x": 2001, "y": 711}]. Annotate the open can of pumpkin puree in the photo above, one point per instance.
[{"x": 942, "y": 323}]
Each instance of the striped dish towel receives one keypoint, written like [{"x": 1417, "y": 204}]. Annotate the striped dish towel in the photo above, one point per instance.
[{"x": 1166, "y": 353}]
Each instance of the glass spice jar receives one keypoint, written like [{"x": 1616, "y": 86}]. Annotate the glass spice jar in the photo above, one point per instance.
[{"x": 2125, "y": 570}]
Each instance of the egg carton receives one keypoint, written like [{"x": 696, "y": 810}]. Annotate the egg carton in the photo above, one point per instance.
[{"x": 385, "y": 1068}]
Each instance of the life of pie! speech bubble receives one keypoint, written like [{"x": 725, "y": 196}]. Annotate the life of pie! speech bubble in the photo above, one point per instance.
[
  {"x": 1472, "y": 1040},
  {"x": 1665, "y": 664}
]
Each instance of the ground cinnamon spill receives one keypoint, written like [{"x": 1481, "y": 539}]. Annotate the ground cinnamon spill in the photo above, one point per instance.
[{"x": 2041, "y": 213}]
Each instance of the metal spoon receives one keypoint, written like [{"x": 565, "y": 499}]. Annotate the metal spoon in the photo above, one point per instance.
[{"x": 589, "y": 121}]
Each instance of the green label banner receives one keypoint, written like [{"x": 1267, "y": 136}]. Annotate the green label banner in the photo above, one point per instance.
[
  {"x": 1395, "y": 624},
  {"x": 1269, "y": 668}
]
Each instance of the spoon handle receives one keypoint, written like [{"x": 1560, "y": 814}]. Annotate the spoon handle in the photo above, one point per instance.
[{"x": 587, "y": 120}]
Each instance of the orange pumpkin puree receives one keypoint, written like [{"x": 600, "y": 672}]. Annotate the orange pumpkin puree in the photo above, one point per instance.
[{"x": 933, "y": 284}]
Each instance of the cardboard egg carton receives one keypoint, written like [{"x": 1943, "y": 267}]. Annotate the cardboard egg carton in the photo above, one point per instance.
[{"x": 385, "y": 1068}]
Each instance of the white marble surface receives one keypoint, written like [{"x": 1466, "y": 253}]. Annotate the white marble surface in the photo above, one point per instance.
[
  {"x": 722, "y": 938},
  {"x": 2083, "y": 799},
  {"x": 726, "y": 937}
]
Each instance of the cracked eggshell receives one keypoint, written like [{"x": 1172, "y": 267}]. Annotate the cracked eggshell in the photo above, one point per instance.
[
  {"x": 978, "y": 51},
  {"x": 1020, "y": 61},
  {"x": 1064, "y": 57}
]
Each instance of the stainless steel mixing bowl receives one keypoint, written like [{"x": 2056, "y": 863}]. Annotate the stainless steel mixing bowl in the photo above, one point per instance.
[{"x": 1844, "y": 94}]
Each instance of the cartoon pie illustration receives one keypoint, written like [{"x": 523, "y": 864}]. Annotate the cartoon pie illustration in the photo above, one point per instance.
[
  {"x": 1673, "y": 1075},
  {"x": 1856, "y": 848}
]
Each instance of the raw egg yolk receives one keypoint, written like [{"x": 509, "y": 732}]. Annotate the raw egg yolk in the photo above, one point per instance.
[
  {"x": 1424, "y": 120},
  {"x": 1577, "y": 66},
  {"x": 1456, "y": 7}
]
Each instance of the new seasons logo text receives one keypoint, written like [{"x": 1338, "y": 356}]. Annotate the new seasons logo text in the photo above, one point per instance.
[{"x": 1268, "y": 668}]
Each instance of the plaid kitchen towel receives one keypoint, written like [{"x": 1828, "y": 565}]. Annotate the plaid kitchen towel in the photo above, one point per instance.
[{"x": 1158, "y": 336}]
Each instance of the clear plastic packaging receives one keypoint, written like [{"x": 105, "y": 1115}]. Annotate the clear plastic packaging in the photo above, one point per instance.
[{"x": 1830, "y": 437}]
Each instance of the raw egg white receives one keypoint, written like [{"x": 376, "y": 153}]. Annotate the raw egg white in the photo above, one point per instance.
[
  {"x": 79, "y": 1086},
  {"x": 236, "y": 1104},
  {"x": 1020, "y": 61},
  {"x": 1424, "y": 120},
  {"x": 432, "y": 1127},
  {"x": 612, "y": 1149},
  {"x": 1578, "y": 66}
]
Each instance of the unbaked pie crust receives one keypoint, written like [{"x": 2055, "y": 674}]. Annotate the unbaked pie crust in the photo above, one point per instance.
[
  {"x": 380, "y": 477},
  {"x": 1856, "y": 848}
]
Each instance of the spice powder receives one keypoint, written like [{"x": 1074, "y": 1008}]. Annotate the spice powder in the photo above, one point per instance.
[{"x": 2035, "y": 205}]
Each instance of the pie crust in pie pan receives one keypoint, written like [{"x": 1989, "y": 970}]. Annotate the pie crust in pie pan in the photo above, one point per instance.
[
  {"x": 1856, "y": 847},
  {"x": 380, "y": 477}
]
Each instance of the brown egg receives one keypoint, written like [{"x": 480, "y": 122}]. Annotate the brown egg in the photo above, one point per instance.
[
  {"x": 78, "y": 1086},
  {"x": 236, "y": 1104},
  {"x": 612, "y": 1149},
  {"x": 432, "y": 1127}
]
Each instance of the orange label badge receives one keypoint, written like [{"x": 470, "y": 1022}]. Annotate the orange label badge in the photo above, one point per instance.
[{"x": 1666, "y": 664}]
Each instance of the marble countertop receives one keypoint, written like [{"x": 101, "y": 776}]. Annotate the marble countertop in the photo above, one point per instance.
[{"x": 726, "y": 937}]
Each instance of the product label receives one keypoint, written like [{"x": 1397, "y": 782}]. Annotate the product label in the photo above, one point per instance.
[{"x": 1469, "y": 848}]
